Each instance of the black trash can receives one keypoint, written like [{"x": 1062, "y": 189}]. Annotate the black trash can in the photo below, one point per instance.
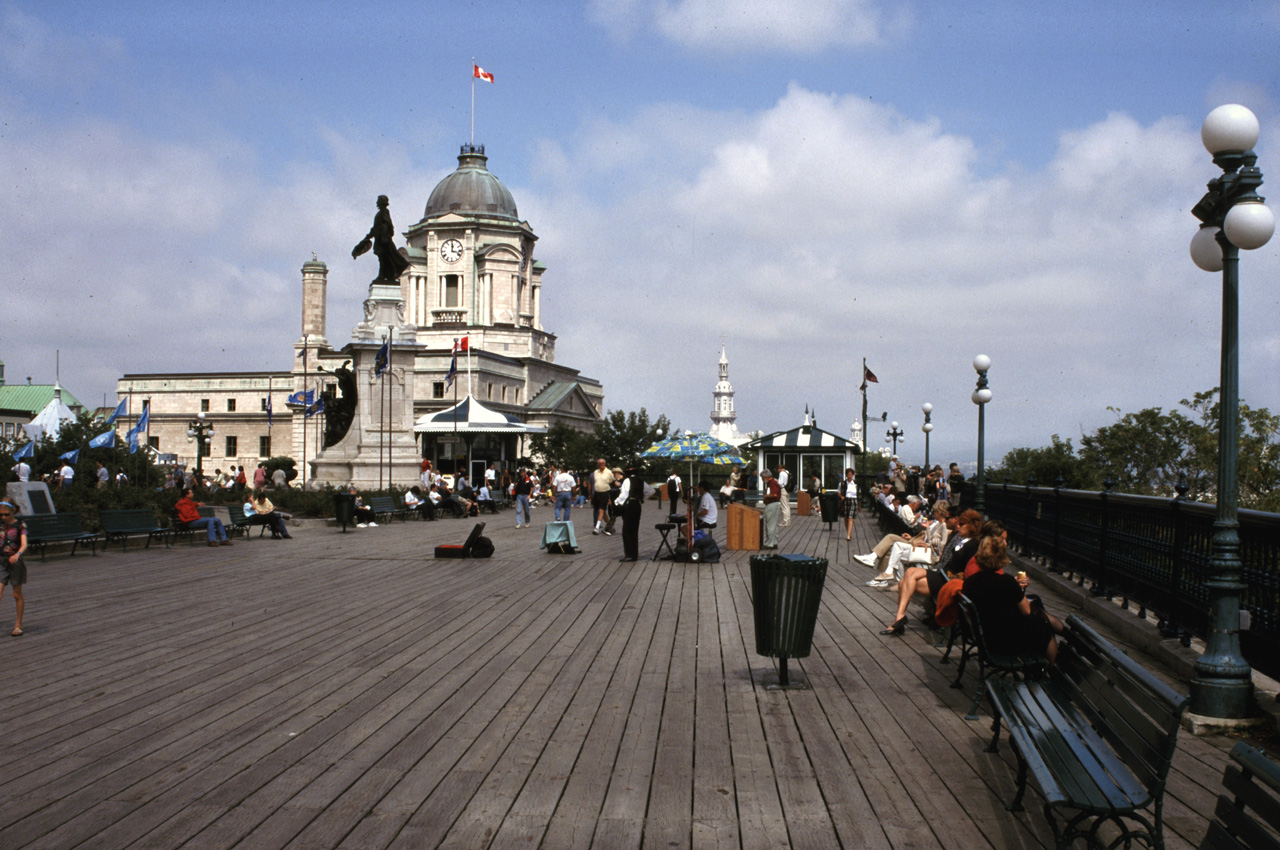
[
  {"x": 786, "y": 591},
  {"x": 830, "y": 502},
  {"x": 344, "y": 509}
]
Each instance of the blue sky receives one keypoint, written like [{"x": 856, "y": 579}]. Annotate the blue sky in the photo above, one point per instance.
[{"x": 812, "y": 182}]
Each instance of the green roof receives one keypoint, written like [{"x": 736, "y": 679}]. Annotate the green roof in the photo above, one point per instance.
[
  {"x": 33, "y": 398},
  {"x": 552, "y": 394}
]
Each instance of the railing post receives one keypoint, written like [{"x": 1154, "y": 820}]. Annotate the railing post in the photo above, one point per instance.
[
  {"x": 1026, "y": 517},
  {"x": 1169, "y": 623},
  {"x": 1100, "y": 581},
  {"x": 1054, "y": 566}
]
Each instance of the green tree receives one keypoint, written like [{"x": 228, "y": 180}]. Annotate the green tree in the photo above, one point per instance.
[
  {"x": 1143, "y": 452},
  {"x": 1045, "y": 465},
  {"x": 565, "y": 447},
  {"x": 620, "y": 437}
]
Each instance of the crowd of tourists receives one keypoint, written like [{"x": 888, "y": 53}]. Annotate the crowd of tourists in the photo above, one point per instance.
[{"x": 946, "y": 552}]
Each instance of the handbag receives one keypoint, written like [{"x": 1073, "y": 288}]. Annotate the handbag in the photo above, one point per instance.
[{"x": 920, "y": 555}]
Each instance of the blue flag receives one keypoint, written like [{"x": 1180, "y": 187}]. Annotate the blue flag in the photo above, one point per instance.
[
  {"x": 453, "y": 372},
  {"x": 303, "y": 399},
  {"x": 268, "y": 411},
  {"x": 29, "y": 450},
  {"x": 144, "y": 421},
  {"x": 72, "y": 457},
  {"x": 105, "y": 440},
  {"x": 133, "y": 442},
  {"x": 119, "y": 411},
  {"x": 318, "y": 407},
  {"x": 381, "y": 359}
]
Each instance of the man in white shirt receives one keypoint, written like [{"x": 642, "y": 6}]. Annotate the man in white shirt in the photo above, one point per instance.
[
  {"x": 708, "y": 512},
  {"x": 491, "y": 477},
  {"x": 784, "y": 478},
  {"x": 22, "y": 470},
  {"x": 66, "y": 473},
  {"x": 562, "y": 484}
]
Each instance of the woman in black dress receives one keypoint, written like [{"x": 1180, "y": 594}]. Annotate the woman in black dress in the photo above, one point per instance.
[{"x": 1010, "y": 622}]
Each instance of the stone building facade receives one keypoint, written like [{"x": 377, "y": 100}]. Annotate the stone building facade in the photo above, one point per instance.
[{"x": 471, "y": 273}]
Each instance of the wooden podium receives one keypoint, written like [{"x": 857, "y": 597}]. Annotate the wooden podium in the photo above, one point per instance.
[
  {"x": 743, "y": 526},
  {"x": 802, "y": 503}
]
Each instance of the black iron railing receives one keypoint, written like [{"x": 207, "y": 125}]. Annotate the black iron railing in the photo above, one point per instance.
[{"x": 1151, "y": 554}]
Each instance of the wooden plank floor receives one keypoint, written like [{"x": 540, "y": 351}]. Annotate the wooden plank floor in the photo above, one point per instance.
[{"x": 346, "y": 691}]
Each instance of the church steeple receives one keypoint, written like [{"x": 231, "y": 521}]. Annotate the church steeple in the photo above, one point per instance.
[{"x": 723, "y": 417}]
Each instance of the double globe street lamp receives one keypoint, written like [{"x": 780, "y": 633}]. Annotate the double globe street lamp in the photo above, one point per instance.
[
  {"x": 926, "y": 428},
  {"x": 893, "y": 435},
  {"x": 1232, "y": 217},
  {"x": 201, "y": 432},
  {"x": 980, "y": 397}
]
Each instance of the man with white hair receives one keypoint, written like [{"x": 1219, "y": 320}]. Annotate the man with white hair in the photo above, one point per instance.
[{"x": 908, "y": 511}]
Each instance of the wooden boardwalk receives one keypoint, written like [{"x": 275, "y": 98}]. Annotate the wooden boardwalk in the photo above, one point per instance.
[{"x": 348, "y": 691}]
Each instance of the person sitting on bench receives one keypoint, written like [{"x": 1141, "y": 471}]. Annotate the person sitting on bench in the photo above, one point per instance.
[
  {"x": 1011, "y": 624},
  {"x": 961, "y": 546},
  {"x": 258, "y": 510},
  {"x": 450, "y": 502},
  {"x": 708, "y": 512},
  {"x": 414, "y": 501},
  {"x": 189, "y": 517},
  {"x": 364, "y": 515}
]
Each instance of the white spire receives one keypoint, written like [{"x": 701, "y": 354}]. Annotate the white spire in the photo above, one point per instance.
[{"x": 723, "y": 417}]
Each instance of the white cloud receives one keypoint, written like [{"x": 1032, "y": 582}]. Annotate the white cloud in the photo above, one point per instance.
[
  {"x": 829, "y": 228},
  {"x": 799, "y": 26}
]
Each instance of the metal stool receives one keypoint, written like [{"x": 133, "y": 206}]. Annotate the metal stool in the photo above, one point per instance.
[{"x": 666, "y": 528}]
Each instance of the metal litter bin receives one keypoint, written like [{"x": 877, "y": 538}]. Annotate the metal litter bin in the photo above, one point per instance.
[
  {"x": 344, "y": 509},
  {"x": 786, "y": 591},
  {"x": 830, "y": 502}
]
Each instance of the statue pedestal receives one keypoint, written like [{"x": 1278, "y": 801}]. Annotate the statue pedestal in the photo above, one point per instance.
[{"x": 380, "y": 446}]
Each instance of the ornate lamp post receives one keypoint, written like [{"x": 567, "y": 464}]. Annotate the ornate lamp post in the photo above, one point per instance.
[
  {"x": 980, "y": 397},
  {"x": 1233, "y": 216},
  {"x": 201, "y": 432},
  {"x": 926, "y": 428},
  {"x": 894, "y": 434}
]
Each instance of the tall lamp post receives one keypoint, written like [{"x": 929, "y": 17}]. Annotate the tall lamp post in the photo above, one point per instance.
[
  {"x": 1232, "y": 217},
  {"x": 201, "y": 432},
  {"x": 895, "y": 434},
  {"x": 980, "y": 397},
  {"x": 926, "y": 428}
]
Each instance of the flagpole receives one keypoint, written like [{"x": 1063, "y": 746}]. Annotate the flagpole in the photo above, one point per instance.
[
  {"x": 382, "y": 416},
  {"x": 864, "y": 405},
  {"x": 473, "y": 101},
  {"x": 306, "y": 378}
]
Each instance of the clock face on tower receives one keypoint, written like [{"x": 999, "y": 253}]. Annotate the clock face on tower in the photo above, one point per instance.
[{"x": 451, "y": 251}]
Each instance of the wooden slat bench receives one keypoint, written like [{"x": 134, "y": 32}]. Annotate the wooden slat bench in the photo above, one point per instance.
[
  {"x": 1097, "y": 735},
  {"x": 1248, "y": 813},
  {"x": 242, "y": 523},
  {"x": 384, "y": 508},
  {"x": 119, "y": 524},
  {"x": 43, "y": 529}
]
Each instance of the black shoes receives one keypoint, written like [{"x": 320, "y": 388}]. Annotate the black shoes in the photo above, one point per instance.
[{"x": 899, "y": 626}]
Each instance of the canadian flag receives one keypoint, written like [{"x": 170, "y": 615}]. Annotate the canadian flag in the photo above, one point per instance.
[
  {"x": 480, "y": 73},
  {"x": 460, "y": 344}
]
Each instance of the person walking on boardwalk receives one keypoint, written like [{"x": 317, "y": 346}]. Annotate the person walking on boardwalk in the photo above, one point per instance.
[
  {"x": 601, "y": 484},
  {"x": 13, "y": 569},
  {"x": 848, "y": 502},
  {"x": 772, "y": 509},
  {"x": 673, "y": 491},
  {"x": 562, "y": 484},
  {"x": 784, "y": 479}
]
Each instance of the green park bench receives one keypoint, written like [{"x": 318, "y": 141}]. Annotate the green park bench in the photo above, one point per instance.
[{"x": 43, "y": 529}]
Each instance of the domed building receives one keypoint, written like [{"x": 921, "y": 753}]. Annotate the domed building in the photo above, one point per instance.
[{"x": 471, "y": 273}]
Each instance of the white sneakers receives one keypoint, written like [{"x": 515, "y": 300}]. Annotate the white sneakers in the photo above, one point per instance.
[
  {"x": 362, "y": 525},
  {"x": 866, "y": 560}
]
